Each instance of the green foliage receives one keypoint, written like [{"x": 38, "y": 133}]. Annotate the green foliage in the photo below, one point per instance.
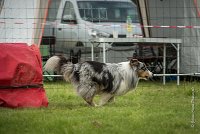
[{"x": 151, "y": 109}]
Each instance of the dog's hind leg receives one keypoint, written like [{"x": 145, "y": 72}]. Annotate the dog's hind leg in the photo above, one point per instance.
[
  {"x": 87, "y": 92},
  {"x": 105, "y": 97},
  {"x": 90, "y": 101},
  {"x": 112, "y": 99}
]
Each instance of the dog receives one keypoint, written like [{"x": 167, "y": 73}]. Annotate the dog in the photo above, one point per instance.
[{"x": 92, "y": 78}]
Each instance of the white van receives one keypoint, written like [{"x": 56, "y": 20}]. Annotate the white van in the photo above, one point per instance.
[{"x": 78, "y": 21}]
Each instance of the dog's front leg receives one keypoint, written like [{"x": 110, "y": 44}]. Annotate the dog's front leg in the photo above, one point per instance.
[{"x": 105, "y": 97}]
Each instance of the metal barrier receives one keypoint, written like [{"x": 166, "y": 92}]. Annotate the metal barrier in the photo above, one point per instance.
[{"x": 154, "y": 75}]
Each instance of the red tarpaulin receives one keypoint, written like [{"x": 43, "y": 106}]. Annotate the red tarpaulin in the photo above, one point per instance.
[{"x": 21, "y": 80}]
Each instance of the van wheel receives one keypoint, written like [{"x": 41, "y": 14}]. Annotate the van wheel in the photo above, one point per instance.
[{"x": 79, "y": 44}]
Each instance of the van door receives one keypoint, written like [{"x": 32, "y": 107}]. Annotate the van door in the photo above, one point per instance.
[{"x": 67, "y": 29}]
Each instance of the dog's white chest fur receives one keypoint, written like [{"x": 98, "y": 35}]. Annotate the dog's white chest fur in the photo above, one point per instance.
[
  {"x": 129, "y": 81},
  {"x": 123, "y": 89}
]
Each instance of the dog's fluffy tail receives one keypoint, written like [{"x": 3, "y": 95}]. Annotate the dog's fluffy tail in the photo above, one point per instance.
[
  {"x": 60, "y": 65},
  {"x": 55, "y": 63}
]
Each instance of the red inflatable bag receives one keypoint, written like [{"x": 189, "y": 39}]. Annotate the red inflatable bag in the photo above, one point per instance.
[{"x": 21, "y": 80}]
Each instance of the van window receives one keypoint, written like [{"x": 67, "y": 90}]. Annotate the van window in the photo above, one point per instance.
[
  {"x": 108, "y": 11},
  {"x": 53, "y": 9},
  {"x": 1, "y": 5},
  {"x": 69, "y": 13}
]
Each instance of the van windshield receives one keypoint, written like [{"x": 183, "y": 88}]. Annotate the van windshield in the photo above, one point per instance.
[{"x": 108, "y": 11}]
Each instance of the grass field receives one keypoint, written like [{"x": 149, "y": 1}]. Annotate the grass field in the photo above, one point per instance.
[{"x": 151, "y": 109}]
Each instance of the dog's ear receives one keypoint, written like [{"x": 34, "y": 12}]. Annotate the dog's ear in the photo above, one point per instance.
[{"x": 134, "y": 62}]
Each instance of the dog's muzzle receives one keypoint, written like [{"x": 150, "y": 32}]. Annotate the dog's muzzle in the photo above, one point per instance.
[{"x": 149, "y": 76}]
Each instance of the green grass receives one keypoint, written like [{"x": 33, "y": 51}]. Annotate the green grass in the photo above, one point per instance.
[{"x": 151, "y": 109}]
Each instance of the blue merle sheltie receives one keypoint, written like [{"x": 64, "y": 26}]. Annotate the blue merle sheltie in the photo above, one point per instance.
[{"x": 92, "y": 78}]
